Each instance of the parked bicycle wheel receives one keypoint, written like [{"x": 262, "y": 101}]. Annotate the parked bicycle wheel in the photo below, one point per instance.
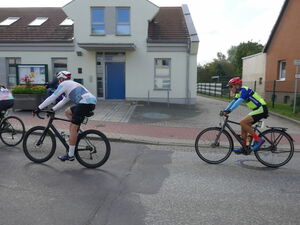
[
  {"x": 92, "y": 149},
  {"x": 12, "y": 130},
  {"x": 38, "y": 147},
  {"x": 212, "y": 149},
  {"x": 278, "y": 151}
]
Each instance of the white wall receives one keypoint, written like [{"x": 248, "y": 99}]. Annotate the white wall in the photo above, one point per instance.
[{"x": 254, "y": 69}]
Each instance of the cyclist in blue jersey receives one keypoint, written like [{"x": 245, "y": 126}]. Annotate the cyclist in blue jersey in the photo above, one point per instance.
[
  {"x": 255, "y": 102},
  {"x": 84, "y": 104}
]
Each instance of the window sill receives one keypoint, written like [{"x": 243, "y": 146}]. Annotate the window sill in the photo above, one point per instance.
[
  {"x": 97, "y": 34},
  {"x": 281, "y": 80},
  {"x": 161, "y": 89},
  {"x": 123, "y": 34}
]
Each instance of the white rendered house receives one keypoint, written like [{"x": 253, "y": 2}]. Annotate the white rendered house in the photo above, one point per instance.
[{"x": 119, "y": 49}]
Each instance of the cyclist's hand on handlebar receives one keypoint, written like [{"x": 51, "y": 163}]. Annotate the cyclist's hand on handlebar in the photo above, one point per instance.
[
  {"x": 225, "y": 112},
  {"x": 36, "y": 111}
]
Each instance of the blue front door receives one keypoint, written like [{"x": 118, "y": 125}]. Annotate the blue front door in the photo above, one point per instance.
[{"x": 115, "y": 80}]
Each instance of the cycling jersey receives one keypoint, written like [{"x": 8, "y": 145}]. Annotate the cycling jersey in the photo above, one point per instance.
[
  {"x": 73, "y": 91},
  {"x": 5, "y": 94},
  {"x": 251, "y": 98},
  {"x": 247, "y": 95}
]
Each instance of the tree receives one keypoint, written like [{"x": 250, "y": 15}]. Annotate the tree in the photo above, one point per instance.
[
  {"x": 236, "y": 53},
  {"x": 219, "y": 67}
]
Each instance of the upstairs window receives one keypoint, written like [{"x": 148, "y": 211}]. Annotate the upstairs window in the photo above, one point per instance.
[
  {"x": 282, "y": 69},
  {"x": 123, "y": 21},
  {"x": 98, "y": 23},
  {"x": 9, "y": 21},
  {"x": 38, "y": 21}
]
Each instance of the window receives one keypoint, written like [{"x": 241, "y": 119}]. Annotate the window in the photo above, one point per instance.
[
  {"x": 67, "y": 22},
  {"x": 12, "y": 70},
  {"x": 9, "y": 21},
  {"x": 162, "y": 76},
  {"x": 123, "y": 21},
  {"x": 98, "y": 25},
  {"x": 59, "y": 64},
  {"x": 38, "y": 21},
  {"x": 282, "y": 70}
]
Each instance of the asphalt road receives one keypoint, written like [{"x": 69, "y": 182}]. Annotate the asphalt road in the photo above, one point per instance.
[{"x": 151, "y": 185}]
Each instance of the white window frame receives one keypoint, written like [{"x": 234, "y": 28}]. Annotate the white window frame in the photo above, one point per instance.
[
  {"x": 9, "y": 21},
  {"x": 282, "y": 70},
  {"x": 161, "y": 79},
  {"x": 38, "y": 21},
  {"x": 98, "y": 23},
  {"x": 67, "y": 22},
  {"x": 123, "y": 23}
]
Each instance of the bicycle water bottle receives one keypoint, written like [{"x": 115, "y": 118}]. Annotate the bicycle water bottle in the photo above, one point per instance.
[{"x": 65, "y": 136}]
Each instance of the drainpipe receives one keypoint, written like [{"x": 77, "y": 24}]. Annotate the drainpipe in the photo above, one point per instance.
[{"x": 187, "y": 100}]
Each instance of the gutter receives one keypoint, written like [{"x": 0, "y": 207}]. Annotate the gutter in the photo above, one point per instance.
[{"x": 192, "y": 47}]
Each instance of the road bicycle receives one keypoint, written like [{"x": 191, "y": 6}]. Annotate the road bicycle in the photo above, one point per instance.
[
  {"x": 12, "y": 129},
  {"x": 215, "y": 144},
  {"x": 92, "y": 149}
]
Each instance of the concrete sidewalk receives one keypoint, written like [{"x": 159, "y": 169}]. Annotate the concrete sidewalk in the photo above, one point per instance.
[{"x": 157, "y": 123}]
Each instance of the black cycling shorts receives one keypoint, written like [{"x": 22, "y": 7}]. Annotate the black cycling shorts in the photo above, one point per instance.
[
  {"x": 263, "y": 113},
  {"x": 80, "y": 111},
  {"x": 6, "y": 104}
]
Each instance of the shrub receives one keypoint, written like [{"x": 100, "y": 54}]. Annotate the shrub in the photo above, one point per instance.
[{"x": 29, "y": 89}]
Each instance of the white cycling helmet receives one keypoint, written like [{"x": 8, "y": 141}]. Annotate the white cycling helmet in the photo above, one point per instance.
[{"x": 64, "y": 75}]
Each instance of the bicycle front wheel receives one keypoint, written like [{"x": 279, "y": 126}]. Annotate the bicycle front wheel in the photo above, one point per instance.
[
  {"x": 277, "y": 150},
  {"x": 12, "y": 130},
  {"x": 213, "y": 146},
  {"x": 92, "y": 149},
  {"x": 39, "y": 146}
]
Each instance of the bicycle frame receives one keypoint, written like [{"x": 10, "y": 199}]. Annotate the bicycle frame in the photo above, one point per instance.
[
  {"x": 237, "y": 137},
  {"x": 56, "y": 132}
]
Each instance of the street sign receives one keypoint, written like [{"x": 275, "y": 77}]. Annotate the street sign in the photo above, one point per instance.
[
  {"x": 297, "y": 62},
  {"x": 297, "y": 75}
]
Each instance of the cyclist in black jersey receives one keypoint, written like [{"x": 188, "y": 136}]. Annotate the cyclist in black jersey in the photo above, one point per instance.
[{"x": 255, "y": 102}]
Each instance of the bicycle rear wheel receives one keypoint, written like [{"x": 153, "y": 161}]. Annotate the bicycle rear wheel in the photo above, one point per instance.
[
  {"x": 92, "y": 149},
  {"x": 277, "y": 150},
  {"x": 39, "y": 148},
  {"x": 213, "y": 150},
  {"x": 12, "y": 130}
]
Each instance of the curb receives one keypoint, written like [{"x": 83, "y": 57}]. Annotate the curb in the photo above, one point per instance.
[{"x": 284, "y": 117}]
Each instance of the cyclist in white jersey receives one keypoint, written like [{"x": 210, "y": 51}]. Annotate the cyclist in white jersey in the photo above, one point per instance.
[
  {"x": 6, "y": 100},
  {"x": 84, "y": 104}
]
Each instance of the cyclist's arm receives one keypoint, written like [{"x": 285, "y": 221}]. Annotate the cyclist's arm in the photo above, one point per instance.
[
  {"x": 60, "y": 90},
  {"x": 48, "y": 101},
  {"x": 235, "y": 104},
  {"x": 230, "y": 104},
  {"x": 60, "y": 103}
]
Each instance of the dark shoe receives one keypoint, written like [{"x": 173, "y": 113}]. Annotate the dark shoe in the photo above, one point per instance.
[
  {"x": 257, "y": 144},
  {"x": 66, "y": 157}
]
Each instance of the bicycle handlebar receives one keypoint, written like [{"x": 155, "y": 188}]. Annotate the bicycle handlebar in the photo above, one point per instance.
[{"x": 48, "y": 112}]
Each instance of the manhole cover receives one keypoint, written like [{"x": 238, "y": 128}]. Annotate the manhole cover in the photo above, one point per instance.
[{"x": 156, "y": 116}]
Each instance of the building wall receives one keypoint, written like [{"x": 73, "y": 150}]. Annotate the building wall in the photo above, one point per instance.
[
  {"x": 254, "y": 71},
  {"x": 285, "y": 45},
  {"x": 139, "y": 67}
]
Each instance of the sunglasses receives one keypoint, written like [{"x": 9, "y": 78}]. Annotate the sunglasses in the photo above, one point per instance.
[{"x": 230, "y": 86}]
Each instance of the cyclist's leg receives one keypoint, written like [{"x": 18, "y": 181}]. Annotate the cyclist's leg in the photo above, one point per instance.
[{"x": 260, "y": 113}]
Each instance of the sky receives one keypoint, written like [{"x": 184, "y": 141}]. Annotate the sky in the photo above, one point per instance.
[{"x": 220, "y": 24}]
